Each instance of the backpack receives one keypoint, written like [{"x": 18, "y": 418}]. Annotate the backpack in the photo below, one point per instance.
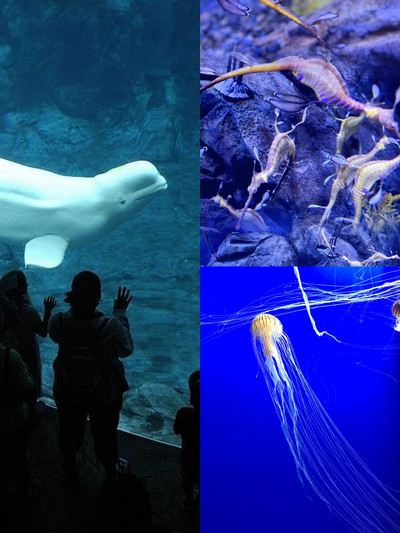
[{"x": 83, "y": 378}]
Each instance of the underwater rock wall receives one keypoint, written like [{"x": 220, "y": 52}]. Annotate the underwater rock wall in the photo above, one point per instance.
[
  {"x": 85, "y": 87},
  {"x": 365, "y": 48},
  {"x": 102, "y": 70}
]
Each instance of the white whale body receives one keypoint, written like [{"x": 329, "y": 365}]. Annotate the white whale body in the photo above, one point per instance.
[{"x": 47, "y": 211}]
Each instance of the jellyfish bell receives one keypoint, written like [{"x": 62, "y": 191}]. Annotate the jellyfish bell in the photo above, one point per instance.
[
  {"x": 264, "y": 321},
  {"x": 396, "y": 309},
  {"x": 269, "y": 343},
  {"x": 396, "y": 313},
  {"x": 266, "y": 330}
]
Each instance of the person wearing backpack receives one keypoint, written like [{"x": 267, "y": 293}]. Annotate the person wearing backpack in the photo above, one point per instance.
[{"x": 89, "y": 378}]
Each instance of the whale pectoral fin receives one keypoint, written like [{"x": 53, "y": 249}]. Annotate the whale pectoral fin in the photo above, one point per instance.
[{"x": 47, "y": 251}]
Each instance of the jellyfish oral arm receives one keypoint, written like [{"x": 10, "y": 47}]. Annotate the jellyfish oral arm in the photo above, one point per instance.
[
  {"x": 266, "y": 363},
  {"x": 275, "y": 375}
]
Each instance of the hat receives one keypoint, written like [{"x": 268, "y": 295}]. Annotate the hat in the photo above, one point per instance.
[{"x": 86, "y": 284}]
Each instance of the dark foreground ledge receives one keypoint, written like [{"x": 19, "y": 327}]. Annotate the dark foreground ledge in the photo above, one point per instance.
[{"x": 56, "y": 509}]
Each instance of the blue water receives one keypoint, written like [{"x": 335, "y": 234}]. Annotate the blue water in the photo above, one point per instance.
[
  {"x": 88, "y": 86},
  {"x": 249, "y": 480}
]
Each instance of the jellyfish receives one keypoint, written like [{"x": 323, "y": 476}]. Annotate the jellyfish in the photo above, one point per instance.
[
  {"x": 396, "y": 313},
  {"x": 324, "y": 460}
]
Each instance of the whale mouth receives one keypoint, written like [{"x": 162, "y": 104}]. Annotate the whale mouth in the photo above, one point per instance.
[
  {"x": 153, "y": 188},
  {"x": 162, "y": 185},
  {"x": 159, "y": 184}
]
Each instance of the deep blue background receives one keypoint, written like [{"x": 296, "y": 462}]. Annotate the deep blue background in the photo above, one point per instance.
[{"x": 249, "y": 481}]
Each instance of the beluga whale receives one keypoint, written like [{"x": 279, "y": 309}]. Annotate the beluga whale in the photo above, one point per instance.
[{"x": 47, "y": 212}]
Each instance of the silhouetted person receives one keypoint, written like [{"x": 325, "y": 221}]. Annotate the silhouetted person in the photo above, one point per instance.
[
  {"x": 16, "y": 387},
  {"x": 187, "y": 424},
  {"x": 26, "y": 329},
  {"x": 89, "y": 379}
]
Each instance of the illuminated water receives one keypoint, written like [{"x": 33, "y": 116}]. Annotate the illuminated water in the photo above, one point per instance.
[
  {"x": 247, "y": 466},
  {"x": 86, "y": 89}
]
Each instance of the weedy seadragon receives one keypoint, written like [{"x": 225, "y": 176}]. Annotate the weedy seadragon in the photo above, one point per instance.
[
  {"x": 282, "y": 151},
  {"x": 250, "y": 220},
  {"x": 346, "y": 173},
  {"x": 326, "y": 82},
  {"x": 366, "y": 177}
]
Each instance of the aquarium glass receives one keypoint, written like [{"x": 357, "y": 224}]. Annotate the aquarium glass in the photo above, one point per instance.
[{"x": 86, "y": 87}]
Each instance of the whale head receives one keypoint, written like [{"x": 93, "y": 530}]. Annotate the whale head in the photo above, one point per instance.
[{"x": 131, "y": 186}]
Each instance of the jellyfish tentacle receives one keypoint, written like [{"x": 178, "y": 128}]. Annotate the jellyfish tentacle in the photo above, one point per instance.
[
  {"x": 324, "y": 459},
  {"x": 267, "y": 329}
]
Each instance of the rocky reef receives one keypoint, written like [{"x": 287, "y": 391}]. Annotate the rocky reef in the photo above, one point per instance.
[{"x": 283, "y": 221}]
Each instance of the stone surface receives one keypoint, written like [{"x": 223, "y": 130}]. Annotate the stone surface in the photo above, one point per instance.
[
  {"x": 57, "y": 509},
  {"x": 150, "y": 409},
  {"x": 254, "y": 249}
]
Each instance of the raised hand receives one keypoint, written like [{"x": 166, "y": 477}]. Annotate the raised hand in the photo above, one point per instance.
[
  {"x": 123, "y": 298},
  {"x": 49, "y": 303}
]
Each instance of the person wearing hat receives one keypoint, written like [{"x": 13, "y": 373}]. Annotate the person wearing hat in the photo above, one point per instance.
[
  {"x": 25, "y": 331},
  {"x": 89, "y": 378}
]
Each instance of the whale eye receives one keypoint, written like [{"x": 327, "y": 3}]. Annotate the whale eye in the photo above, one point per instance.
[{"x": 122, "y": 202}]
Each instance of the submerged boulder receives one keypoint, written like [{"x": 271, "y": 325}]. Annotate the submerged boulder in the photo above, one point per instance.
[{"x": 254, "y": 249}]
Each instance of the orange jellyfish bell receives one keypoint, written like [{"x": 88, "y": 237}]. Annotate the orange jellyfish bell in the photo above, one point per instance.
[
  {"x": 266, "y": 323},
  {"x": 267, "y": 329},
  {"x": 396, "y": 309}
]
